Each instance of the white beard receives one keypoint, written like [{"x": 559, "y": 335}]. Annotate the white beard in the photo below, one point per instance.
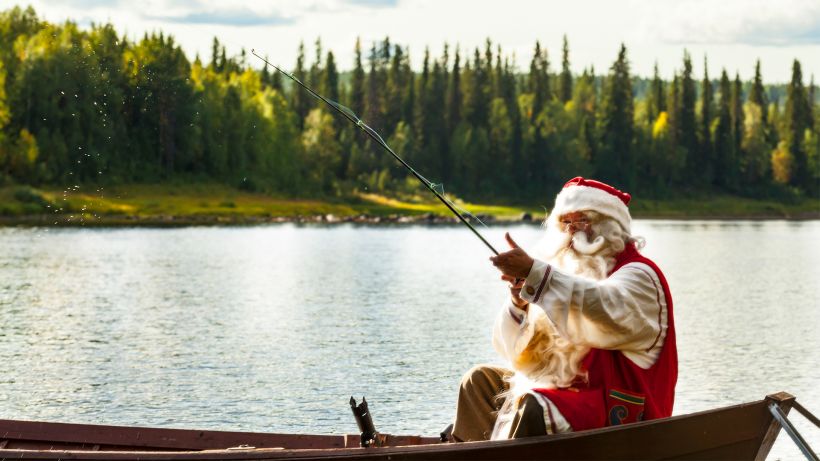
[{"x": 575, "y": 254}]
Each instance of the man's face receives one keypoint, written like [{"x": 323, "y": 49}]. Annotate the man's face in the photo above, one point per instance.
[{"x": 574, "y": 222}]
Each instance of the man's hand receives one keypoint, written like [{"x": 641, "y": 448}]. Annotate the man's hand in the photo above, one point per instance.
[
  {"x": 515, "y": 263},
  {"x": 515, "y": 291}
]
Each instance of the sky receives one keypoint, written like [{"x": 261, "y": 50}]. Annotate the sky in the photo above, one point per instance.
[{"x": 733, "y": 34}]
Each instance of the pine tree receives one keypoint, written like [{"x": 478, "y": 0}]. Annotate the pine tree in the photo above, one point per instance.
[
  {"x": 275, "y": 80},
  {"x": 705, "y": 152},
  {"x": 566, "y": 74},
  {"x": 298, "y": 98},
  {"x": 357, "y": 82},
  {"x": 454, "y": 95},
  {"x": 811, "y": 98},
  {"x": 539, "y": 84},
  {"x": 224, "y": 64},
  {"x": 510, "y": 96},
  {"x": 395, "y": 90},
  {"x": 477, "y": 103},
  {"x": 673, "y": 110},
  {"x": 488, "y": 70},
  {"x": 687, "y": 131},
  {"x": 724, "y": 139},
  {"x": 315, "y": 79},
  {"x": 758, "y": 94},
  {"x": 330, "y": 78},
  {"x": 657, "y": 96},
  {"x": 409, "y": 91},
  {"x": 373, "y": 102},
  {"x": 737, "y": 117},
  {"x": 617, "y": 161},
  {"x": 215, "y": 47},
  {"x": 797, "y": 120}
]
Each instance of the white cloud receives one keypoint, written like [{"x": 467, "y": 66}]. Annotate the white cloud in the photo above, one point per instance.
[
  {"x": 744, "y": 22},
  {"x": 733, "y": 33}
]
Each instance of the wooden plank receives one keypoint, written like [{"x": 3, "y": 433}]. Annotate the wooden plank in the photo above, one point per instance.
[{"x": 174, "y": 439}]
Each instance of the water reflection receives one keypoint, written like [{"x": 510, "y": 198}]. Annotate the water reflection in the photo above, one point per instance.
[{"x": 273, "y": 328}]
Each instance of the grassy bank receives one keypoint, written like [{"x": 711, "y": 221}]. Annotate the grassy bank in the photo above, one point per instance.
[{"x": 212, "y": 203}]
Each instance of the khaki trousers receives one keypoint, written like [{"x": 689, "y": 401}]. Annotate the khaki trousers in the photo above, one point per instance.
[{"x": 478, "y": 404}]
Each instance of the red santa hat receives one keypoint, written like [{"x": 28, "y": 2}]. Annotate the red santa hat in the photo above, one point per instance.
[{"x": 581, "y": 194}]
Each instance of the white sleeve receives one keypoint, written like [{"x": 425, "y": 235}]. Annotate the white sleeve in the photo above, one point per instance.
[
  {"x": 512, "y": 331},
  {"x": 625, "y": 312}
]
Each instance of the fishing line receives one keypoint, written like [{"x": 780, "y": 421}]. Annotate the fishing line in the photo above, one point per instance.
[{"x": 351, "y": 116}]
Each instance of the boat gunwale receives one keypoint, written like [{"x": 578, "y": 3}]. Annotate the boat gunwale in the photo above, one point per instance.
[{"x": 766, "y": 440}]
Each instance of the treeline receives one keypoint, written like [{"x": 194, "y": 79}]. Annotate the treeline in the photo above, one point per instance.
[{"x": 90, "y": 106}]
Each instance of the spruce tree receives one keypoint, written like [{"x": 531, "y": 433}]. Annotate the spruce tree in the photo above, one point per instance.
[
  {"x": 264, "y": 75},
  {"x": 315, "y": 74},
  {"x": 357, "y": 82},
  {"x": 454, "y": 96},
  {"x": 724, "y": 139},
  {"x": 657, "y": 96},
  {"x": 276, "y": 81},
  {"x": 566, "y": 74},
  {"x": 705, "y": 154},
  {"x": 215, "y": 47},
  {"x": 330, "y": 78},
  {"x": 477, "y": 104},
  {"x": 617, "y": 161},
  {"x": 811, "y": 98},
  {"x": 673, "y": 112},
  {"x": 797, "y": 120},
  {"x": 224, "y": 64},
  {"x": 409, "y": 90},
  {"x": 395, "y": 90},
  {"x": 298, "y": 99},
  {"x": 538, "y": 80},
  {"x": 373, "y": 102},
  {"x": 757, "y": 95},
  {"x": 737, "y": 117},
  {"x": 687, "y": 131}
]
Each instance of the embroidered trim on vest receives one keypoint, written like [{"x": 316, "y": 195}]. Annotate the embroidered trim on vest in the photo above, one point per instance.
[
  {"x": 628, "y": 398},
  {"x": 543, "y": 283}
]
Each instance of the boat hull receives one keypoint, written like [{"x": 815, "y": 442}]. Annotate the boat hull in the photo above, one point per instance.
[{"x": 740, "y": 432}]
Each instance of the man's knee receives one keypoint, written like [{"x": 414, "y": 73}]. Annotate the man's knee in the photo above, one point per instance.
[{"x": 484, "y": 378}]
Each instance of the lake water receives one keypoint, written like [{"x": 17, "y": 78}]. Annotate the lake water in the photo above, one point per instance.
[{"x": 273, "y": 328}]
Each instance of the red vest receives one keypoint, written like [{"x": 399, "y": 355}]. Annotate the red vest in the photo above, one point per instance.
[{"x": 617, "y": 391}]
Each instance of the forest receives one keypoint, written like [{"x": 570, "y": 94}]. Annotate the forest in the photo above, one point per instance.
[{"x": 90, "y": 106}]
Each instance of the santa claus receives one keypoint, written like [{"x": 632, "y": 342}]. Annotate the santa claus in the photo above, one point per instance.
[{"x": 588, "y": 330}]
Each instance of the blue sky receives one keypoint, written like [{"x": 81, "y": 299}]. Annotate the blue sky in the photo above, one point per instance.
[{"x": 733, "y": 33}]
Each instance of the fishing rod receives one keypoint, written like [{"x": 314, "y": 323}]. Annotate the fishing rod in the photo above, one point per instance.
[{"x": 351, "y": 116}]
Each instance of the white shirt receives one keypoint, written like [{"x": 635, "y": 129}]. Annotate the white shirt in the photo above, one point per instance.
[{"x": 626, "y": 311}]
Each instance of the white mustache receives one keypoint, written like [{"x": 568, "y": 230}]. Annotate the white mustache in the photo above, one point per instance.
[{"x": 581, "y": 243}]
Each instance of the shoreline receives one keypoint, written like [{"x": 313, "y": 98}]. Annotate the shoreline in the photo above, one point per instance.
[
  {"x": 217, "y": 205},
  {"x": 119, "y": 221}
]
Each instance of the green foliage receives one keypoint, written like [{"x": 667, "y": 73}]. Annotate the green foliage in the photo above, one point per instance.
[
  {"x": 88, "y": 106},
  {"x": 321, "y": 149}
]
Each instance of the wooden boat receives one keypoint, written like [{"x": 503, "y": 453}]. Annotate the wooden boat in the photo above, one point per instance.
[{"x": 740, "y": 432}]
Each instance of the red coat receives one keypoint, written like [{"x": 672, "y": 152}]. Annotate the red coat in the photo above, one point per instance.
[{"x": 617, "y": 391}]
